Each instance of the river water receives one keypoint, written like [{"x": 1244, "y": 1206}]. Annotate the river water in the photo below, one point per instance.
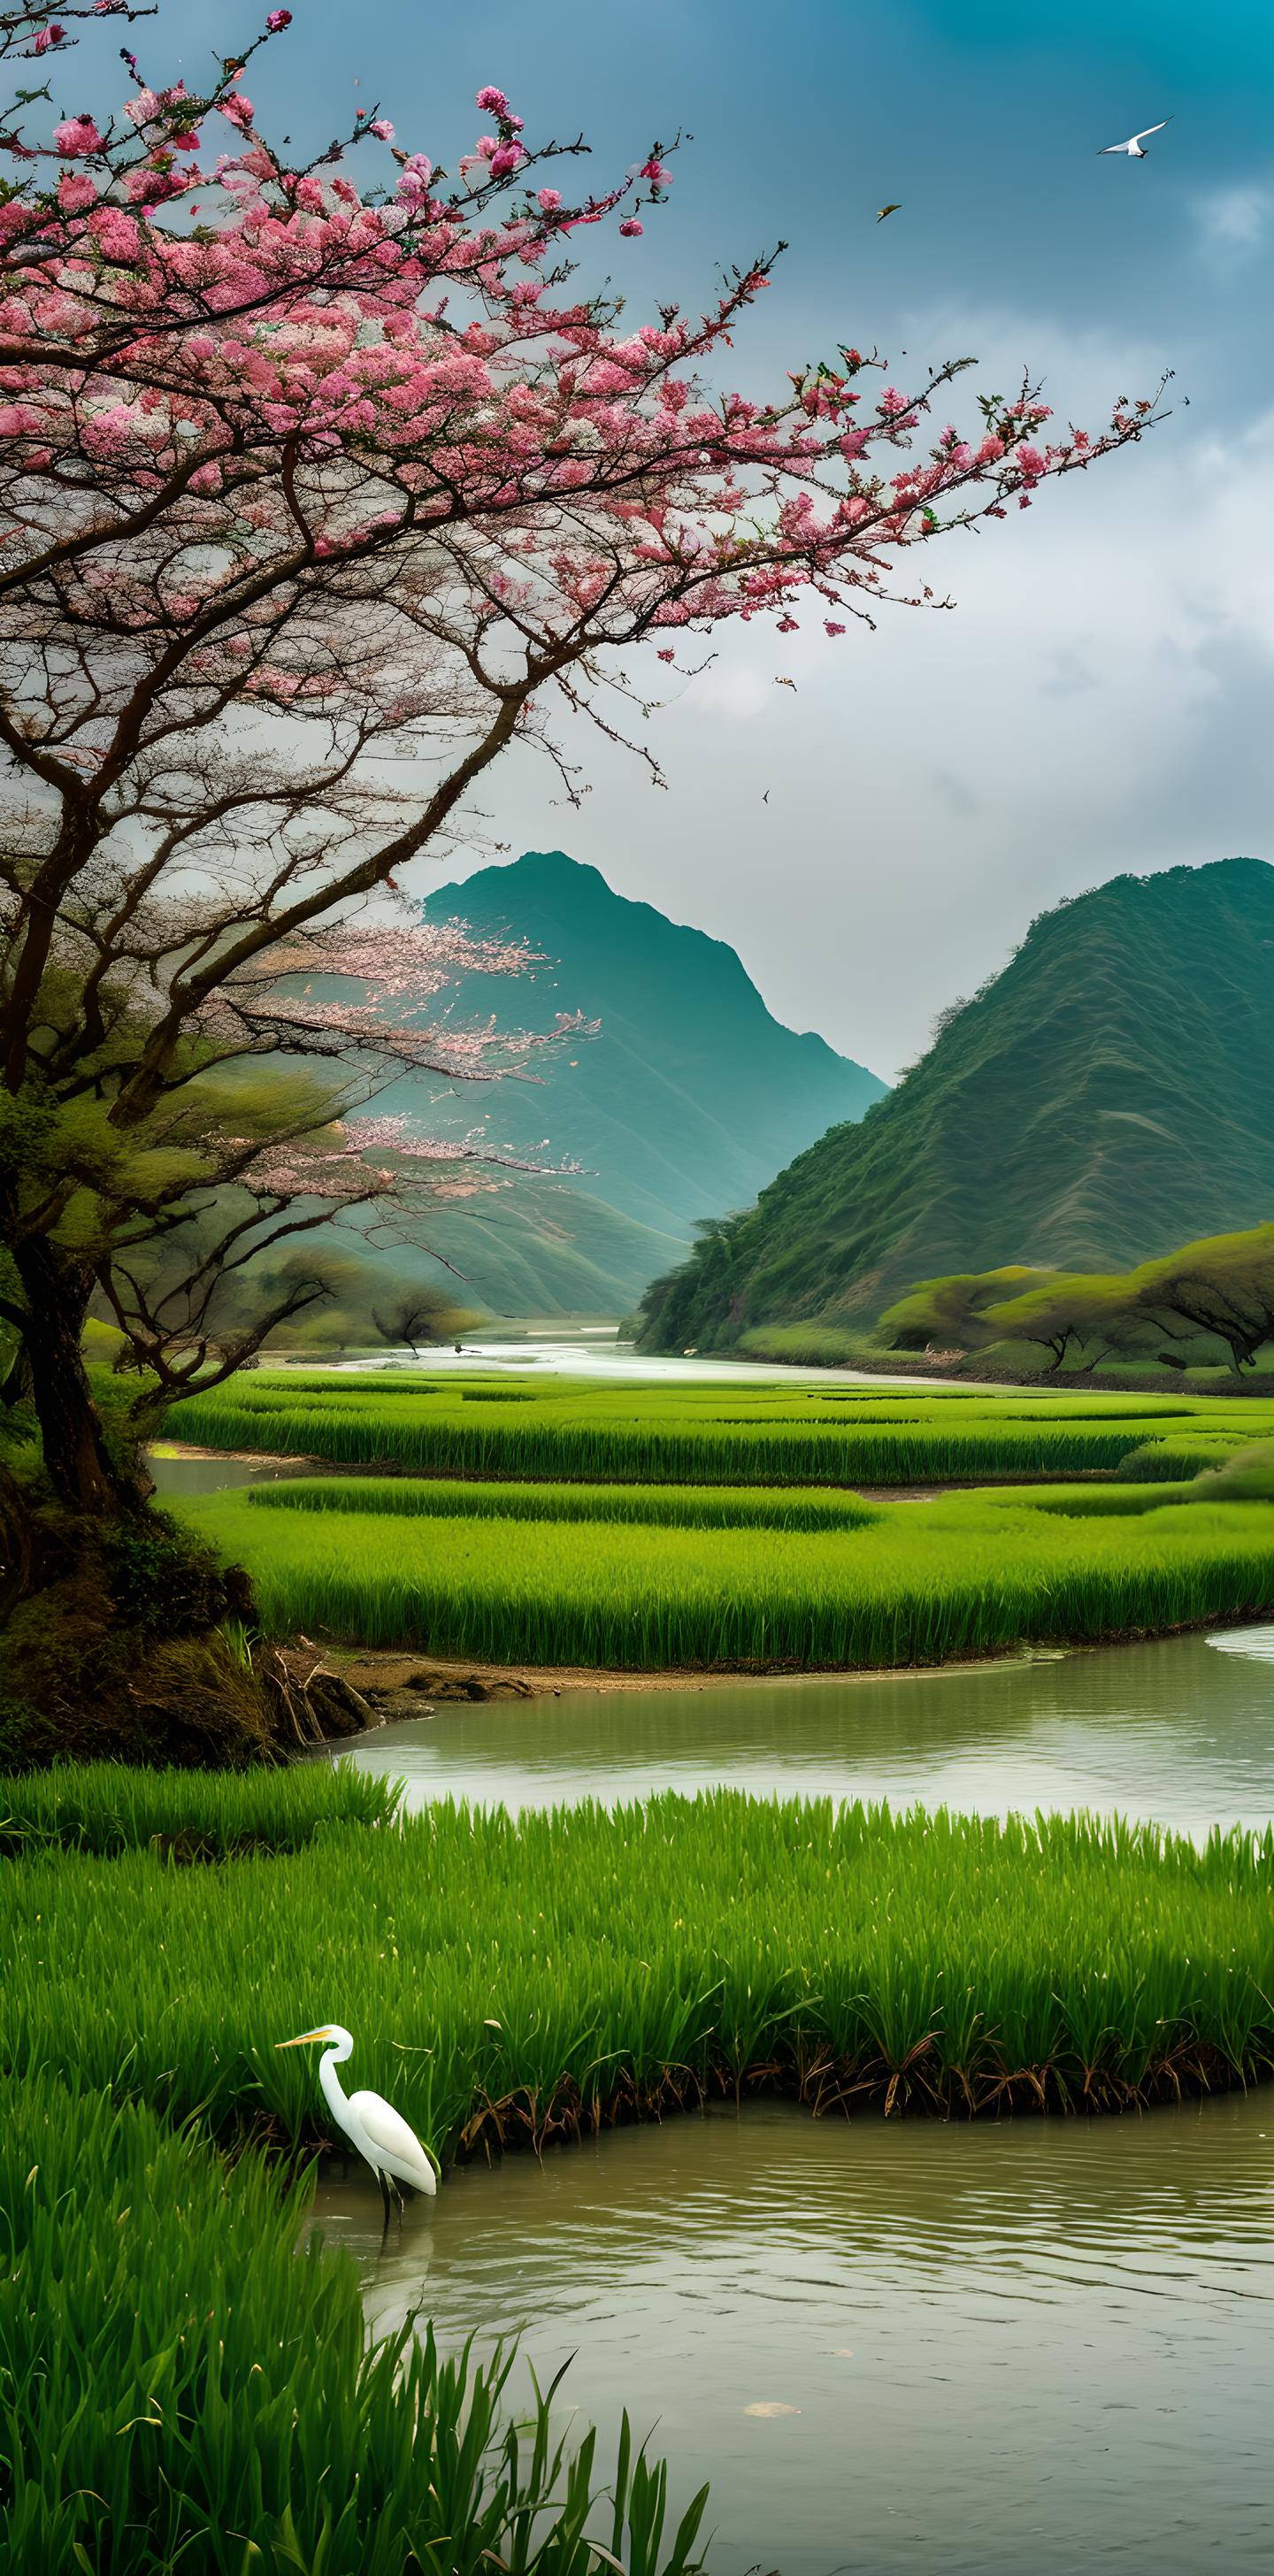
[
  {"x": 1042, "y": 2345},
  {"x": 894, "y": 2346},
  {"x": 1180, "y": 1729}
]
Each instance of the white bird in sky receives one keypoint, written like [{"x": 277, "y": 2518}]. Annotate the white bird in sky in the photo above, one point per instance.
[
  {"x": 1135, "y": 147},
  {"x": 371, "y": 2124}
]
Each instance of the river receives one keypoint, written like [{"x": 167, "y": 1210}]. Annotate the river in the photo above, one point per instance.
[
  {"x": 1180, "y": 1729},
  {"x": 892, "y": 2346}
]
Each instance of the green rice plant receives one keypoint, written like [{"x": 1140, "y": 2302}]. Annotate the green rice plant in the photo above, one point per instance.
[
  {"x": 1185, "y": 1451},
  {"x": 163, "y": 2411},
  {"x": 524, "y": 1978},
  {"x": 1246, "y": 1476},
  {"x": 198, "y": 1815},
  {"x": 917, "y": 1582},
  {"x": 669, "y": 1506},
  {"x": 715, "y": 1435}
]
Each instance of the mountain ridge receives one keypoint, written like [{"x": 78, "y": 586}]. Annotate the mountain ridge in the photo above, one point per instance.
[
  {"x": 682, "y": 1107},
  {"x": 1106, "y": 1097}
]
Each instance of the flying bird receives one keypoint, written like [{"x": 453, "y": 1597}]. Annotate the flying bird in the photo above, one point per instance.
[
  {"x": 766, "y": 798},
  {"x": 888, "y": 210},
  {"x": 371, "y": 2124},
  {"x": 1135, "y": 147},
  {"x": 781, "y": 683}
]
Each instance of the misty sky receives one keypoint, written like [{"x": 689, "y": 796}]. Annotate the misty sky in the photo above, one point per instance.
[{"x": 1101, "y": 699}]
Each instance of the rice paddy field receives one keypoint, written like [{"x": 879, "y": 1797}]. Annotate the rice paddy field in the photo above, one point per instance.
[
  {"x": 780, "y": 1577},
  {"x": 508, "y": 1983},
  {"x": 709, "y": 1433},
  {"x": 637, "y": 1527},
  {"x": 519, "y": 1977},
  {"x": 522, "y": 1982}
]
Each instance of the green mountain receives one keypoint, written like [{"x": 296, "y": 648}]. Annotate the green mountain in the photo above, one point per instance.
[
  {"x": 1107, "y": 1097},
  {"x": 680, "y": 1108}
]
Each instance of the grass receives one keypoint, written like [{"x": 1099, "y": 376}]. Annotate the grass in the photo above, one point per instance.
[
  {"x": 911, "y": 1583},
  {"x": 506, "y": 1980},
  {"x": 163, "y": 2410},
  {"x": 714, "y": 1434},
  {"x": 110, "y": 1807},
  {"x": 665, "y": 1506},
  {"x": 523, "y": 1978}
]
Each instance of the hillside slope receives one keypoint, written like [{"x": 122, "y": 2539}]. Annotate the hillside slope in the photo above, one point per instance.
[
  {"x": 1109, "y": 1095},
  {"x": 682, "y": 1107}
]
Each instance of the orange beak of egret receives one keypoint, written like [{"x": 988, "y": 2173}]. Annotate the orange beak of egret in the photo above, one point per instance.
[{"x": 302, "y": 2039}]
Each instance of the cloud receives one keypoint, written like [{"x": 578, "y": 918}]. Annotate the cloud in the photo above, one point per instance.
[
  {"x": 1234, "y": 218},
  {"x": 1098, "y": 703}
]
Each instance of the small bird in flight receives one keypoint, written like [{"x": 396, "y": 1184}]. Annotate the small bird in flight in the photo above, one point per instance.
[
  {"x": 888, "y": 210},
  {"x": 1135, "y": 147},
  {"x": 766, "y": 798},
  {"x": 781, "y": 683}
]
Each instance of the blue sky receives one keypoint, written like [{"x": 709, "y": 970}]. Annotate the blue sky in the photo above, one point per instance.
[{"x": 1102, "y": 698}]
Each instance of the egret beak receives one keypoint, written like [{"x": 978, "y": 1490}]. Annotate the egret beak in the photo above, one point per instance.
[{"x": 302, "y": 2039}]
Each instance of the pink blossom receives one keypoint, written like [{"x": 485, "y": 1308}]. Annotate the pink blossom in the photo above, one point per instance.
[
  {"x": 550, "y": 200},
  {"x": 239, "y": 110},
  {"x": 831, "y": 628},
  {"x": 492, "y": 102},
  {"x": 629, "y": 227},
  {"x": 116, "y": 235},
  {"x": 382, "y": 129},
  {"x": 75, "y": 136},
  {"x": 47, "y": 36},
  {"x": 277, "y": 20},
  {"x": 667, "y": 652},
  {"x": 657, "y": 172},
  {"x": 506, "y": 160},
  {"x": 1030, "y": 461},
  {"x": 413, "y": 182},
  {"x": 75, "y": 191}
]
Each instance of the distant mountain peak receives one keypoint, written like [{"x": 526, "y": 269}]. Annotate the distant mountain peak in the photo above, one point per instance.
[
  {"x": 1106, "y": 1097},
  {"x": 683, "y": 1106}
]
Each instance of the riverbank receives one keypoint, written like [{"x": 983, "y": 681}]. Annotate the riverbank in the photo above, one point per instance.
[{"x": 525, "y": 1978}]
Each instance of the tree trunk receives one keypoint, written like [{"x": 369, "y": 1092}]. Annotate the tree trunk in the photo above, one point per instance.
[{"x": 75, "y": 1453}]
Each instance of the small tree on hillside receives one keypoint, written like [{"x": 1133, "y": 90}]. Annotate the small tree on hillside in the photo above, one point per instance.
[
  {"x": 951, "y": 1311},
  {"x": 1222, "y": 1286},
  {"x": 313, "y": 501},
  {"x": 1071, "y": 1314}
]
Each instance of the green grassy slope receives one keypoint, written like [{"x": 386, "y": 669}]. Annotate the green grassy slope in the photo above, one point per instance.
[
  {"x": 684, "y": 1105},
  {"x": 1106, "y": 1097}
]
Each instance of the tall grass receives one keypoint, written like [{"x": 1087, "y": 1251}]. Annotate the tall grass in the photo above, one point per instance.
[
  {"x": 184, "y": 2391},
  {"x": 205, "y": 1815},
  {"x": 519, "y": 1978},
  {"x": 917, "y": 1582},
  {"x": 718, "y": 1435},
  {"x": 667, "y": 1506}
]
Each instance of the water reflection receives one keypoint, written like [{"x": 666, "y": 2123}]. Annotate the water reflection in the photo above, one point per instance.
[
  {"x": 1171, "y": 1729},
  {"x": 599, "y": 1353},
  {"x": 1044, "y": 2344},
  {"x": 210, "y": 1471}
]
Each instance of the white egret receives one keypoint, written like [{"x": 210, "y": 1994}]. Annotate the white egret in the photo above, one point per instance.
[
  {"x": 371, "y": 2124},
  {"x": 1135, "y": 147}
]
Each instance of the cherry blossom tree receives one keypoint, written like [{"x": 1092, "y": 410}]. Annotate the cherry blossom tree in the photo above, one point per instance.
[{"x": 317, "y": 494}]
